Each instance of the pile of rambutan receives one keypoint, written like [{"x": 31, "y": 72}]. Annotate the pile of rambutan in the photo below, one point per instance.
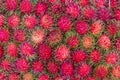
[{"x": 59, "y": 39}]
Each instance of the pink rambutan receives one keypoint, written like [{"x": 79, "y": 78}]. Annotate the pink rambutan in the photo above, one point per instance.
[
  {"x": 72, "y": 41},
  {"x": 25, "y": 6},
  {"x": 95, "y": 55},
  {"x": 52, "y": 67},
  {"x": 84, "y": 69},
  {"x": 19, "y": 35},
  {"x": 62, "y": 52},
  {"x": 73, "y": 10},
  {"x": 58, "y": 78},
  {"x": 37, "y": 66},
  {"x": 22, "y": 64},
  {"x": 96, "y": 27},
  {"x": 56, "y": 8},
  {"x": 117, "y": 14},
  {"x": 116, "y": 71},
  {"x": 111, "y": 58},
  {"x": 44, "y": 51},
  {"x": 11, "y": 4},
  {"x": 99, "y": 3},
  {"x": 117, "y": 43},
  {"x": 90, "y": 78},
  {"x": 46, "y": 21},
  {"x": 30, "y": 21},
  {"x": 5, "y": 65},
  {"x": 54, "y": 36},
  {"x": 88, "y": 12},
  {"x": 104, "y": 14},
  {"x": 67, "y": 68},
  {"x": 81, "y": 27},
  {"x": 83, "y": 2},
  {"x": 13, "y": 20},
  {"x": 113, "y": 3},
  {"x": 26, "y": 49},
  {"x": 101, "y": 71},
  {"x": 87, "y": 41},
  {"x": 64, "y": 23},
  {"x": 112, "y": 28},
  {"x": 2, "y": 76},
  {"x": 104, "y": 41},
  {"x": 2, "y": 20},
  {"x": 37, "y": 36},
  {"x": 43, "y": 77},
  {"x": 78, "y": 56},
  {"x": 4, "y": 35},
  {"x": 12, "y": 49},
  {"x": 13, "y": 76},
  {"x": 40, "y": 8}
]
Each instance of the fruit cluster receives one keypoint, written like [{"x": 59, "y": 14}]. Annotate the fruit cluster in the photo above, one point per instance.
[{"x": 59, "y": 39}]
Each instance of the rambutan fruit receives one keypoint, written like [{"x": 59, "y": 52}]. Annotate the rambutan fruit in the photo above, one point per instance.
[
  {"x": 62, "y": 52},
  {"x": 64, "y": 23},
  {"x": 90, "y": 78},
  {"x": 52, "y": 67},
  {"x": 112, "y": 28},
  {"x": 40, "y": 8},
  {"x": 111, "y": 58},
  {"x": 72, "y": 41},
  {"x": 22, "y": 64},
  {"x": 73, "y": 10},
  {"x": 44, "y": 51},
  {"x": 88, "y": 12},
  {"x": 116, "y": 71},
  {"x": 101, "y": 71},
  {"x": 43, "y": 77},
  {"x": 4, "y": 35},
  {"x": 2, "y": 76},
  {"x": 78, "y": 56},
  {"x": 104, "y": 14},
  {"x": 99, "y": 3},
  {"x": 13, "y": 20},
  {"x": 54, "y": 36},
  {"x": 26, "y": 49},
  {"x": 37, "y": 66},
  {"x": 84, "y": 69},
  {"x": 117, "y": 43},
  {"x": 13, "y": 76},
  {"x": 95, "y": 55},
  {"x": 11, "y": 4},
  {"x": 96, "y": 27},
  {"x": 104, "y": 41},
  {"x": 117, "y": 14},
  {"x": 30, "y": 22},
  {"x": 83, "y": 2},
  {"x": 25, "y": 6},
  {"x": 37, "y": 36},
  {"x": 28, "y": 76},
  {"x": 81, "y": 27},
  {"x": 113, "y": 3},
  {"x": 56, "y": 8},
  {"x": 5, "y": 64},
  {"x": 58, "y": 78},
  {"x": 67, "y": 68},
  {"x": 46, "y": 21},
  {"x": 12, "y": 49},
  {"x": 87, "y": 41},
  {"x": 19, "y": 35}
]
